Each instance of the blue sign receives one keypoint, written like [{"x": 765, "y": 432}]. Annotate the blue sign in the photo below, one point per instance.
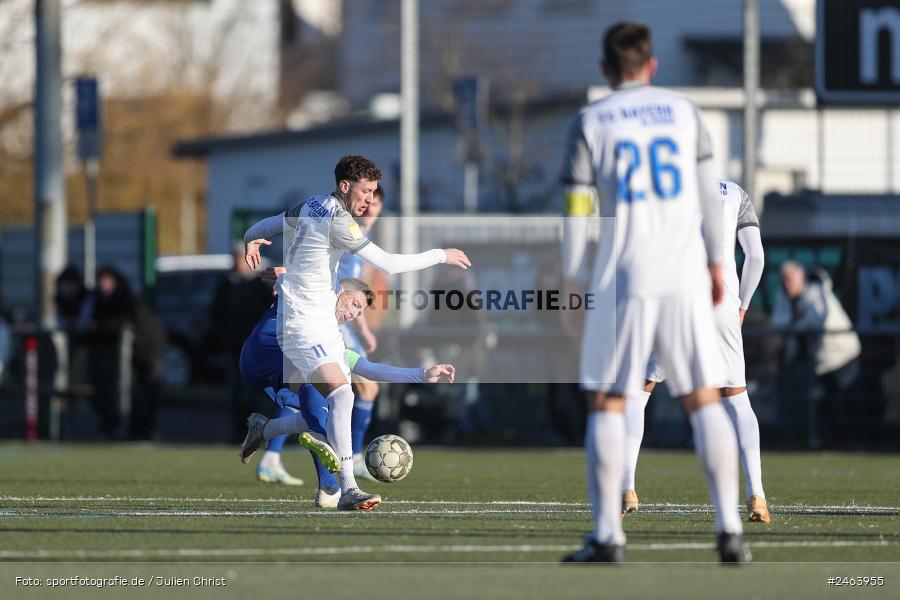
[{"x": 87, "y": 117}]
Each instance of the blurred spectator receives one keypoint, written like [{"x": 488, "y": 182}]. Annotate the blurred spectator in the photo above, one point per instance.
[
  {"x": 149, "y": 347},
  {"x": 240, "y": 300},
  {"x": 823, "y": 336},
  {"x": 71, "y": 300},
  {"x": 5, "y": 345},
  {"x": 113, "y": 307}
]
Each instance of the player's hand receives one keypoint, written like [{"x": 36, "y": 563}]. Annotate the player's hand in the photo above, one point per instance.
[
  {"x": 251, "y": 254},
  {"x": 271, "y": 274},
  {"x": 370, "y": 342},
  {"x": 572, "y": 321},
  {"x": 718, "y": 283},
  {"x": 741, "y": 314},
  {"x": 457, "y": 258},
  {"x": 440, "y": 374}
]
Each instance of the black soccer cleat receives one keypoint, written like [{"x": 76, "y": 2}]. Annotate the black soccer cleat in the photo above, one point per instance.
[
  {"x": 732, "y": 549},
  {"x": 595, "y": 552}
]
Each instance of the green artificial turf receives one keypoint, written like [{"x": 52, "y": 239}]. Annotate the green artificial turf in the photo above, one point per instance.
[{"x": 465, "y": 523}]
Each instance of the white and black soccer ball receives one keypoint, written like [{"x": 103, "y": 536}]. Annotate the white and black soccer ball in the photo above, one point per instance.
[{"x": 389, "y": 458}]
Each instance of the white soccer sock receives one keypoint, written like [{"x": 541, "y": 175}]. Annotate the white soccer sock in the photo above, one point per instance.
[
  {"x": 605, "y": 444},
  {"x": 635, "y": 406},
  {"x": 716, "y": 447},
  {"x": 270, "y": 460},
  {"x": 340, "y": 417},
  {"x": 747, "y": 427},
  {"x": 294, "y": 423}
]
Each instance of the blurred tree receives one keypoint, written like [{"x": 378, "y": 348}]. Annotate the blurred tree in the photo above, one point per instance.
[{"x": 168, "y": 71}]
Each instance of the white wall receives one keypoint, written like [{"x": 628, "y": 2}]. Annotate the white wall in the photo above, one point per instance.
[
  {"x": 834, "y": 150},
  {"x": 277, "y": 176}
]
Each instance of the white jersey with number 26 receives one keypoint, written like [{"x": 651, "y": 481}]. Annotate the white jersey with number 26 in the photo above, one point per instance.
[{"x": 639, "y": 147}]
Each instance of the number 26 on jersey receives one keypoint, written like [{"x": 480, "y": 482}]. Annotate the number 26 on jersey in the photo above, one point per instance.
[{"x": 664, "y": 173}]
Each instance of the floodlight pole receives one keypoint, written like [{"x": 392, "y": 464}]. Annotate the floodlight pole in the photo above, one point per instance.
[
  {"x": 409, "y": 142},
  {"x": 49, "y": 190},
  {"x": 751, "y": 86}
]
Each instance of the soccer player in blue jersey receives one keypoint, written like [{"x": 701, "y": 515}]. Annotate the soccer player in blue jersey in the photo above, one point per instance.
[
  {"x": 359, "y": 338},
  {"x": 261, "y": 367},
  {"x": 308, "y": 331}
]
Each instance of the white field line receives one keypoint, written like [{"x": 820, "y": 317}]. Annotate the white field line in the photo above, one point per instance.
[
  {"x": 270, "y": 500},
  {"x": 152, "y": 512},
  {"x": 390, "y": 548},
  {"x": 87, "y": 513},
  {"x": 647, "y": 507}
]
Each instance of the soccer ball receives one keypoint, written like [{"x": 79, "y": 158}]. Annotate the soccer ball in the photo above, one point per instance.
[{"x": 389, "y": 458}]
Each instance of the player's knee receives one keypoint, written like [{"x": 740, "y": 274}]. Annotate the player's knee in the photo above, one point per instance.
[
  {"x": 698, "y": 398},
  {"x": 327, "y": 388},
  {"x": 728, "y": 392},
  {"x": 601, "y": 402},
  {"x": 341, "y": 395}
]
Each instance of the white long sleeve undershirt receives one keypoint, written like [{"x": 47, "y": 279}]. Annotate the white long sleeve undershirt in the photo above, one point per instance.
[
  {"x": 754, "y": 263},
  {"x": 392, "y": 264},
  {"x": 265, "y": 229}
]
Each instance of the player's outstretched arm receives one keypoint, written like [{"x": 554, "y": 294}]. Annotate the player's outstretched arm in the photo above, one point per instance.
[
  {"x": 392, "y": 264},
  {"x": 258, "y": 235},
  {"x": 391, "y": 374},
  {"x": 440, "y": 374}
]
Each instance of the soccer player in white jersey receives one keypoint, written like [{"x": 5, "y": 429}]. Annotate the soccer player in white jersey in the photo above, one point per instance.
[
  {"x": 739, "y": 223},
  {"x": 646, "y": 154},
  {"x": 307, "y": 328}
]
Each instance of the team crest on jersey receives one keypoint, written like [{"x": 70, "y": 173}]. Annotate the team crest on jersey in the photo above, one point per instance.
[
  {"x": 355, "y": 232},
  {"x": 317, "y": 211},
  {"x": 723, "y": 188}
]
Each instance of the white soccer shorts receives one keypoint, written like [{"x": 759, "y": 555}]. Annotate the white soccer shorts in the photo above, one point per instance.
[
  {"x": 307, "y": 349},
  {"x": 680, "y": 328},
  {"x": 731, "y": 347}
]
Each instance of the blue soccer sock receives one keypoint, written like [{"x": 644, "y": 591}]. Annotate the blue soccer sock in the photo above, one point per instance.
[
  {"x": 360, "y": 420},
  {"x": 314, "y": 409}
]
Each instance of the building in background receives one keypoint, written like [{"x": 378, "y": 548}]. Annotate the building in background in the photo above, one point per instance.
[{"x": 538, "y": 48}]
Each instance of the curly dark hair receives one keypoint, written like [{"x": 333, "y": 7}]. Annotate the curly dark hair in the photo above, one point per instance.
[{"x": 354, "y": 168}]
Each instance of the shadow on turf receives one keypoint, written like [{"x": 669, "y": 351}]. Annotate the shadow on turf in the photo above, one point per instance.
[
  {"x": 289, "y": 531},
  {"x": 644, "y": 536}
]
